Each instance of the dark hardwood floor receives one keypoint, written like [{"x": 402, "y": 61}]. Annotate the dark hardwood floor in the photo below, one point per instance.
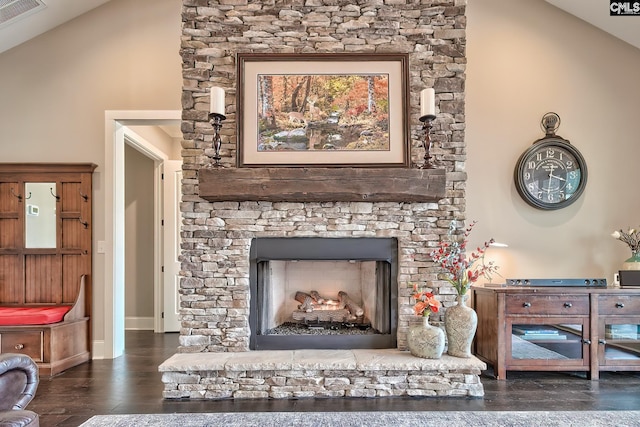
[{"x": 131, "y": 384}]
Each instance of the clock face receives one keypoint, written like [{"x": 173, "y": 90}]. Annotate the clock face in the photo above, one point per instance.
[{"x": 551, "y": 174}]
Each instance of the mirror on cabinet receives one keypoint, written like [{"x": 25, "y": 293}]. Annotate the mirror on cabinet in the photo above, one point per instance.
[{"x": 40, "y": 214}]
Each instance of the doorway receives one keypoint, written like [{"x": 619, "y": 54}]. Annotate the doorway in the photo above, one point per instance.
[
  {"x": 152, "y": 238},
  {"x": 139, "y": 241},
  {"x": 118, "y": 132}
]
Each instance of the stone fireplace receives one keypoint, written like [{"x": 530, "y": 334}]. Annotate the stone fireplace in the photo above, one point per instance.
[
  {"x": 361, "y": 272},
  {"x": 410, "y": 206},
  {"x": 217, "y": 298}
]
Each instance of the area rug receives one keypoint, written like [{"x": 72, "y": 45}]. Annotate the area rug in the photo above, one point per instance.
[{"x": 376, "y": 419}]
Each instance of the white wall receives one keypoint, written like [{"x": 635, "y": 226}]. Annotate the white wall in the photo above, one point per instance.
[
  {"x": 55, "y": 89},
  {"x": 139, "y": 239},
  {"x": 525, "y": 59},
  {"x": 160, "y": 139}
]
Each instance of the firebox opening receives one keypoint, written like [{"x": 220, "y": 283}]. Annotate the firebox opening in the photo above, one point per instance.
[
  {"x": 316, "y": 297},
  {"x": 323, "y": 293}
]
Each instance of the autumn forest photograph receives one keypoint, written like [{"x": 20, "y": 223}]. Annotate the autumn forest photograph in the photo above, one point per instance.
[{"x": 323, "y": 112}]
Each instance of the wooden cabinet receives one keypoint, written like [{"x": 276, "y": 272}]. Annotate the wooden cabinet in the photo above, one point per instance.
[
  {"x": 45, "y": 257},
  {"x": 41, "y": 273},
  {"x": 618, "y": 326},
  {"x": 557, "y": 329}
]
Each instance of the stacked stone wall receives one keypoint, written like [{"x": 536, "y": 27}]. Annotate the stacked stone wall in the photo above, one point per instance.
[
  {"x": 318, "y": 374},
  {"x": 292, "y": 384},
  {"x": 214, "y": 290}
]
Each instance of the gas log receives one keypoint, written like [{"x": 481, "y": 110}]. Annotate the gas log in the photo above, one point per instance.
[
  {"x": 316, "y": 296},
  {"x": 348, "y": 303},
  {"x": 315, "y": 308},
  {"x": 306, "y": 300}
]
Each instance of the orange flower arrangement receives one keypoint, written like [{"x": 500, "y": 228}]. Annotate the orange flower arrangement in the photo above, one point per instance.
[{"x": 426, "y": 303}]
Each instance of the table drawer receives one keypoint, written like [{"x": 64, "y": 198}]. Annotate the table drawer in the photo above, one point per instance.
[
  {"x": 547, "y": 304},
  {"x": 619, "y": 304},
  {"x": 27, "y": 342}
]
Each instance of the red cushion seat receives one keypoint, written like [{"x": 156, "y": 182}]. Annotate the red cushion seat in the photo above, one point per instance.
[{"x": 14, "y": 316}]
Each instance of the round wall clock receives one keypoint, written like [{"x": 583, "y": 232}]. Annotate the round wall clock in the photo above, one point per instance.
[{"x": 551, "y": 174}]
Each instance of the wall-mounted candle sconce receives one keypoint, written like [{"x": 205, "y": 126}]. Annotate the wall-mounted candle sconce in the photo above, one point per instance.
[
  {"x": 216, "y": 116},
  {"x": 427, "y": 114}
]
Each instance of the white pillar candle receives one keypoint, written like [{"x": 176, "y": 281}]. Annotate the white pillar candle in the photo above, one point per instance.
[
  {"x": 217, "y": 100},
  {"x": 427, "y": 102}
]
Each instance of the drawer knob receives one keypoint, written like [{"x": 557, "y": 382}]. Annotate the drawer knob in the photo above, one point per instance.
[
  {"x": 568, "y": 305},
  {"x": 588, "y": 342},
  {"x": 526, "y": 304},
  {"x": 619, "y": 305},
  {"x": 601, "y": 341},
  {"x": 19, "y": 346}
]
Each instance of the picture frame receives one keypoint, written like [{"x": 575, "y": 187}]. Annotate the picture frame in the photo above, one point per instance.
[{"x": 323, "y": 110}]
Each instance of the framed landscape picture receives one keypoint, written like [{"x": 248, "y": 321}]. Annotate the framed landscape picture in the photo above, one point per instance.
[{"x": 323, "y": 110}]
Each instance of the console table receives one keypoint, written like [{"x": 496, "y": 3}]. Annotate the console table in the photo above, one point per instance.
[{"x": 557, "y": 328}]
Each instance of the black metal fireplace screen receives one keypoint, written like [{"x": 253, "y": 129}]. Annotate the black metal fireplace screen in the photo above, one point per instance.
[{"x": 323, "y": 293}]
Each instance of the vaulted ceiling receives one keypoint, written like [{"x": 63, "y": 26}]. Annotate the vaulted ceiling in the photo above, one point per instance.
[
  {"x": 22, "y": 20},
  {"x": 596, "y": 13},
  {"x": 35, "y": 17}
]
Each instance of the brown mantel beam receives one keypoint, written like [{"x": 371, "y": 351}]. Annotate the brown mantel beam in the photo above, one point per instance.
[{"x": 322, "y": 184}]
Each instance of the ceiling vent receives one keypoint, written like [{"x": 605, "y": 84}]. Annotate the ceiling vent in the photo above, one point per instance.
[{"x": 13, "y": 10}]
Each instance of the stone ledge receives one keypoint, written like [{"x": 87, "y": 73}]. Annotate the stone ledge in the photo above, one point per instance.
[
  {"x": 282, "y": 374},
  {"x": 370, "y": 360}
]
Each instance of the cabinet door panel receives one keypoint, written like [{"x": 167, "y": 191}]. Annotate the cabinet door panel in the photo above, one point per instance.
[
  {"x": 72, "y": 198},
  {"x": 43, "y": 278},
  {"x": 9, "y": 200},
  {"x": 72, "y": 233},
  {"x": 11, "y": 279},
  {"x": 619, "y": 343},
  {"x": 10, "y": 233},
  {"x": 547, "y": 343}
]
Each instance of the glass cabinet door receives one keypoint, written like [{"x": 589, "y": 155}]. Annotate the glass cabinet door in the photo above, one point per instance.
[
  {"x": 540, "y": 343},
  {"x": 619, "y": 340}
]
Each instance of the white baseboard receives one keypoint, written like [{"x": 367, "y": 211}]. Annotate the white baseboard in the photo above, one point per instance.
[
  {"x": 138, "y": 323},
  {"x": 97, "y": 351}
]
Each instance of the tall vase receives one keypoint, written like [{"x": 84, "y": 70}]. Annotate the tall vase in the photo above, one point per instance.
[
  {"x": 632, "y": 263},
  {"x": 425, "y": 340},
  {"x": 460, "y": 322}
]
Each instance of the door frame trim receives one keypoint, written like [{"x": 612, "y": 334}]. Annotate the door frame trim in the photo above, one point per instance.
[{"x": 158, "y": 157}]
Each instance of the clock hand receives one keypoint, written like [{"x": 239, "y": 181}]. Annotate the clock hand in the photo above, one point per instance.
[
  {"x": 549, "y": 189},
  {"x": 551, "y": 175}
]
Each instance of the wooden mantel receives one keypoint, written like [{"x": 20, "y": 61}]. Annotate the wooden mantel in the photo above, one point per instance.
[{"x": 322, "y": 184}]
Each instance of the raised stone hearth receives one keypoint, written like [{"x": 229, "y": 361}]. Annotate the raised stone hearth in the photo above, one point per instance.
[{"x": 288, "y": 374}]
